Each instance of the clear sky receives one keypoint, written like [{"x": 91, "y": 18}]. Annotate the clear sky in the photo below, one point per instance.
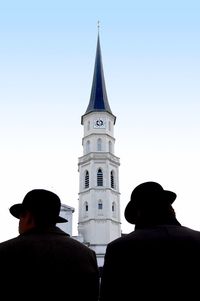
[{"x": 151, "y": 59}]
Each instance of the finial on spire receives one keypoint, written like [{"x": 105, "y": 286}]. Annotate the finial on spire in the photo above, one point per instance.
[{"x": 98, "y": 25}]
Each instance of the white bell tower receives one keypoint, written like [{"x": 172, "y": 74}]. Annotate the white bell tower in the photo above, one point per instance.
[{"x": 99, "y": 196}]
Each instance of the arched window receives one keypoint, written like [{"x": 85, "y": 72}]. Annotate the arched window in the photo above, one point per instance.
[
  {"x": 88, "y": 125},
  {"x": 99, "y": 177},
  {"x": 86, "y": 206},
  {"x": 100, "y": 205},
  {"x": 110, "y": 147},
  {"x": 99, "y": 144},
  {"x": 88, "y": 146},
  {"x": 87, "y": 179},
  {"x": 112, "y": 179},
  {"x": 113, "y": 206}
]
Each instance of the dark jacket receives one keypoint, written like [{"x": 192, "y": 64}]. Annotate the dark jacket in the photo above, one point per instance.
[
  {"x": 48, "y": 265},
  {"x": 155, "y": 263}
]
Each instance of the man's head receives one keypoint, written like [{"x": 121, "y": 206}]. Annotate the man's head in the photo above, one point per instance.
[
  {"x": 148, "y": 198},
  {"x": 43, "y": 205}
]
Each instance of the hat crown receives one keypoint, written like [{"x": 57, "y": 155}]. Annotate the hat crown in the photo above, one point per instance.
[
  {"x": 43, "y": 204},
  {"x": 147, "y": 195},
  {"x": 41, "y": 201},
  {"x": 147, "y": 189}
]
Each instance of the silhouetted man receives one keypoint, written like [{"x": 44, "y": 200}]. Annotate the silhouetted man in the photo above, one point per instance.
[
  {"x": 160, "y": 260},
  {"x": 43, "y": 262}
]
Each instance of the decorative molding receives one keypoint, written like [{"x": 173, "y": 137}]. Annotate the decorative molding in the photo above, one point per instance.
[{"x": 101, "y": 156}]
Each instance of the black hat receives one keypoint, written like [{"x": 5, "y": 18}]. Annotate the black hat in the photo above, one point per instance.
[
  {"x": 144, "y": 195},
  {"x": 40, "y": 202}
]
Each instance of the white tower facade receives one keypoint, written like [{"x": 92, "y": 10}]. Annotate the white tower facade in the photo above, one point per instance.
[
  {"x": 99, "y": 196},
  {"x": 67, "y": 213}
]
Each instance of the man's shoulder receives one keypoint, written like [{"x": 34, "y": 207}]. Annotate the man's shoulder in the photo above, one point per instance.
[
  {"x": 8, "y": 245},
  {"x": 122, "y": 239},
  {"x": 189, "y": 232},
  {"x": 155, "y": 233},
  {"x": 77, "y": 243},
  {"x": 9, "y": 241}
]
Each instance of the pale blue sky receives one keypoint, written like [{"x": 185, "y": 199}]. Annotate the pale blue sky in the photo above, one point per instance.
[{"x": 151, "y": 58}]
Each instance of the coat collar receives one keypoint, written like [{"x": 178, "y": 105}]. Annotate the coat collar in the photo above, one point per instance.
[
  {"x": 173, "y": 222},
  {"x": 49, "y": 230}
]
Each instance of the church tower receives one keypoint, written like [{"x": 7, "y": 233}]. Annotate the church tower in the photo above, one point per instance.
[{"x": 99, "y": 197}]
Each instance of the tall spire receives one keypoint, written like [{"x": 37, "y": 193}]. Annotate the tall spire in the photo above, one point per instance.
[{"x": 98, "y": 97}]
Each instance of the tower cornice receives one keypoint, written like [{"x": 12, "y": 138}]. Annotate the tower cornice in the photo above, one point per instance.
[
  {"x": 98, "y": 134},
  {"x": 99, "y": 156}
]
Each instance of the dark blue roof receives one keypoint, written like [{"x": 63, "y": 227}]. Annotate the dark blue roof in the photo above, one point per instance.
[{"x": 98, "y": 98}]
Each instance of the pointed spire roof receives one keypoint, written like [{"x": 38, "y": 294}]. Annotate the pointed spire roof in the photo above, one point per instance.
[{"x": 98, "y": 97}]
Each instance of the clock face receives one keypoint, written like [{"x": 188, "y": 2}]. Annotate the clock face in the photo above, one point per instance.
[{"x": 99, "y": 123}]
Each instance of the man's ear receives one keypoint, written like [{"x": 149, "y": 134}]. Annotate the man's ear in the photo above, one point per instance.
[
  {"x": 26, "y": 222},
  {"x": 28, "y": 218}
]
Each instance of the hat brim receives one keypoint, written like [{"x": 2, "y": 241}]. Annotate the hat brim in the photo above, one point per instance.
[
  {"x": 130, "y": 212},
  {"x": 61, "y": 219},
  {"x": 17, "y": 209}
]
